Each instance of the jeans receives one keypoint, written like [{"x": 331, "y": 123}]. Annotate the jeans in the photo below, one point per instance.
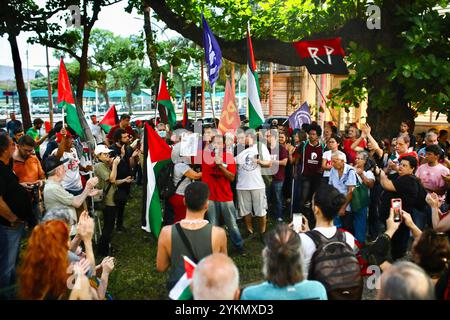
[
  {"x": 420, "y": 217},
  {"x": 9, "y": 252},
  {"x": 345, "y": 222},
  {"x": 120, "y": 212},
  {"x": 276, "y": 198},
  {"x": 228, "y": 212},
  {"x": 359, "y": 225},
  {"x": 307, "y": 186},
  {"x": 109, "y": 218},
  {"x": 373, "y": 223}
]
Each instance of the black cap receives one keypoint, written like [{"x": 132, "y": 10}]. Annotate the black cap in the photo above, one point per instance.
[{"x": 52, "y": 163}]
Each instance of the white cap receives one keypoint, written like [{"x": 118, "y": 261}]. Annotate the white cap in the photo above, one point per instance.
[{"x": 101, "y": 148}]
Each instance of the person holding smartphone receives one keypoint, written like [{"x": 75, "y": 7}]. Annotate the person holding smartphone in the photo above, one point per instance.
[{"x": 405, "y": 187}]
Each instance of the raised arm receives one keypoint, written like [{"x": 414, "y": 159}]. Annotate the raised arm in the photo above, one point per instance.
[
  {"x": 79, "y": 200},
  {"x": 385, "y": 182},
  {"x": 440, "y": 225},
  {"x": 62, "y": 145},
  {"x": 374, "y": 143}
]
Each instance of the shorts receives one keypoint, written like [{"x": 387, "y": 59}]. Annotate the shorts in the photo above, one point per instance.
[{"x": 252, "y": 201}]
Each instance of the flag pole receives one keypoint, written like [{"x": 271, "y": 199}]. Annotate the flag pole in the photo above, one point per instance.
[
  {"x": 323, "y": 96},
  {"x": 212, "y": 96}
]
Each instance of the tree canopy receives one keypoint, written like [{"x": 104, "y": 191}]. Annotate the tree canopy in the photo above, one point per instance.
[{"x": 403, "y": 66}]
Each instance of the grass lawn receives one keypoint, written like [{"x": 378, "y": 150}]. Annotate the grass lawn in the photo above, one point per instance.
[{"x": 135, "y": 275}]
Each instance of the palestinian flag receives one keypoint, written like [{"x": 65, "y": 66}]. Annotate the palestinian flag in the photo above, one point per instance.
[
  {"x": 164, "y": 99},
  {"x": 66, "y": 101},
  {"x": 182, "y": 290},
  {"x": 185, "y": 115},
  {"x": 157, "y": 154},
  {"x": 322, "y": 56},
  {"x": 110, "y": 119},
  {"x": 255, "y": 113}
]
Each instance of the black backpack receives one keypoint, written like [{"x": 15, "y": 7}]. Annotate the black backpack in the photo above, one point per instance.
[
  {"x": 164, "y": 181},
  {"x": 334, "y": 264}
]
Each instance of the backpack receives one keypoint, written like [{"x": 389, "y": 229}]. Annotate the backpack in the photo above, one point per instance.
[
  {"x": 164, "y": 181},
  {"x": 335, "y": 265}
]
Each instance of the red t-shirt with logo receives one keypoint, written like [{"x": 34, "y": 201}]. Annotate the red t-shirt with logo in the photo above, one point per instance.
[{"x": 219, "y": 186}]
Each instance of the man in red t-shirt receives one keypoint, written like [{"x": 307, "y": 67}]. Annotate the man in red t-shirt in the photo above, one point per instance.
[
  {"x": 218, "y": 171},
  {"x": 124, "y": 124}
]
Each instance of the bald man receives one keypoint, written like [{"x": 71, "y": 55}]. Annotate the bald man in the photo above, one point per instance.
[
  {"x": 405, "y": 281},
  {"x": 216, "y": 277}
]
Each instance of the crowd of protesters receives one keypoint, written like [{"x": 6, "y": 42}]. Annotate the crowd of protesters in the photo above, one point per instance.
[{"x": 246, "y": 186}]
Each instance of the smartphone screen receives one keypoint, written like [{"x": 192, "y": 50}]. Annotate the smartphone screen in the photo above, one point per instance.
[
  {"x": 396, "y": 204},
  {"x": 297, "y": 220}
]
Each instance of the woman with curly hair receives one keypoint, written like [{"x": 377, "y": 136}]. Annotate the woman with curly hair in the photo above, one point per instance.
[{"x": 43, "y": 274}]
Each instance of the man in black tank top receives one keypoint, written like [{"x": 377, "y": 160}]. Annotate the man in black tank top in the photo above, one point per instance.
[{"x": 193, "y": 236}]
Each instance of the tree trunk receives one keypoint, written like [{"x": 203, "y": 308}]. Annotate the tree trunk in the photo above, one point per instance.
[
  {"x": 386, "y": 119},
  {"x": 386, "y": 123},
  {"x": 82, "y": 78},
  {"x": 129, "y": 100},
  {"x": 104, "y": 91},
  {"x": 23, "y": 99},
  {"x": 151, "y": 53}
]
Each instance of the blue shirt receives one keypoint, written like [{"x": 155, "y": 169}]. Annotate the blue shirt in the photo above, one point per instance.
[
  {"x": 13, "y": 125},
  {"x": 304, "y": 290},
  {"x": 348, "y": 179}
]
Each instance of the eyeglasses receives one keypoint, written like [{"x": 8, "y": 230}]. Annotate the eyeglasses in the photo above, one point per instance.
[{"x": 27, "y": 150}]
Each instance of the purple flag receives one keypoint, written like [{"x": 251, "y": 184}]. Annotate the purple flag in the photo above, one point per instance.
[
  {"x": 300, "y": 116},
  {"x": 213, "y": 55}
]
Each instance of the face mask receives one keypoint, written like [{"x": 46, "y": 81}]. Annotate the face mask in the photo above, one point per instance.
[{"x": 162, "y": 134}]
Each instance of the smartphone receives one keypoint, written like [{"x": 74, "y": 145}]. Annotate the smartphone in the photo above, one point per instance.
[
  {"x": 134, "y": 144},
  {"x": 297, "y": 220},
  {"x": 396, "y": 204}
]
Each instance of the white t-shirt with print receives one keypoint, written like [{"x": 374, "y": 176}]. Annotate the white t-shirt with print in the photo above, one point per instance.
[
  {"x": 72, "y": 179},
  {"x": 249, "y": 173},
  {"x": 308, "y": 246}
]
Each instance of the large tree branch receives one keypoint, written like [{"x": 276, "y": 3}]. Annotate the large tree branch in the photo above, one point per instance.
[
  {"x": 53, "y": 45},
  {"x": 264, "y": 49}
]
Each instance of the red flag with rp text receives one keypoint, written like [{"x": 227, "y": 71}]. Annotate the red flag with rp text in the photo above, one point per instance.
[{"x": 322, "y": 56}]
